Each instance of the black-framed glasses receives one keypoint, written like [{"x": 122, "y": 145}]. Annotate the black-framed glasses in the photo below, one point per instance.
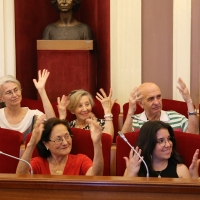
[
  {"x": 59, "y": 140},
  {"x": 162, "y": 141}
]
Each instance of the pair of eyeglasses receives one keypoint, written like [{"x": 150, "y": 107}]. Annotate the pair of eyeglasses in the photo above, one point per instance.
[
  {"x": 60, "y": 140},
  {"x": 162, "y": 141},
  {"x": 14, "y": 91}
]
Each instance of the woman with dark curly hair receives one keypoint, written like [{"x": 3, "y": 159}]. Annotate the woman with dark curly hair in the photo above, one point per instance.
[
  {"x": 67, "y": 27},
  {"x": 157, "y": 145}
]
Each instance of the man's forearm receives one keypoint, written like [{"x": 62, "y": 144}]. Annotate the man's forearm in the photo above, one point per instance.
[
  {"x": 127, "y": 126},
  {"x": 193, "y": 121}
]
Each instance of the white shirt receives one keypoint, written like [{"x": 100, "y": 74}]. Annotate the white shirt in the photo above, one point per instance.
[{"x": 25, "y": 126}]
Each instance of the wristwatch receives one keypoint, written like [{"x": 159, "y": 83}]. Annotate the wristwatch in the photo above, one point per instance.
[
  {"x": 108, "y": 115},
  {"x": 192, "y": 113}
]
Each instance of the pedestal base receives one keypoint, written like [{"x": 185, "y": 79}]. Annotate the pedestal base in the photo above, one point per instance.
[{"x": 69, "y": 70}]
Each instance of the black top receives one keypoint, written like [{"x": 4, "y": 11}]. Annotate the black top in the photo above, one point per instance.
[{"x": 168, "y": 172}]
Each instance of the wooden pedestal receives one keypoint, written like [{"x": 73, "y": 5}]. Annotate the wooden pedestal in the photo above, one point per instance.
[{"x": 71, "y": 64}]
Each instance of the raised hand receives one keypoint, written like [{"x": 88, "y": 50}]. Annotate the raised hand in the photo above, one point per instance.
[
  {"x": 98, "y": 162},
  {"x": 95, "y": 130},
  {"x": 194, "y": 167},
  {"x": 62, "y": 106},
  {"x": 133, "y": 163},
  {"x": 40, "y": 86},
  {"x": 42, "y": 78},
  {"x": 37, "y": 130},
  {"x": 135, "y": 96},
  {"x": 92, "y": 115},
  {"x": 184, "y": 91},
  {"x": 105, "y": 100}
]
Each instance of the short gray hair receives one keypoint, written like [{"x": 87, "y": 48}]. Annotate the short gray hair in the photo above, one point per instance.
[{"x": 8, "y": 78}]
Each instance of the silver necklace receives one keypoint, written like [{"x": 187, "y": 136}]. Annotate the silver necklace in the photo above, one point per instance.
[{"x": 159, "y": 176}]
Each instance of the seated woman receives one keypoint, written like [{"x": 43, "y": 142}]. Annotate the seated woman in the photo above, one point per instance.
[
  {"x": 157, "y": 145},
  {"x": 80, "y": 103},
  {"x": 54, "y": 142},
  {"x": 13, "y": 116}
]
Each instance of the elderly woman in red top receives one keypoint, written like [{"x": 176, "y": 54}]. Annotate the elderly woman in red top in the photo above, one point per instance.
[{"x": 53, "y": 139}]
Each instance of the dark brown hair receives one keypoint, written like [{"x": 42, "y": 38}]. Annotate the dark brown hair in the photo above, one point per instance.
[
  {"x": 147, "y": 141},
  {"x": 48, "y": 126}
]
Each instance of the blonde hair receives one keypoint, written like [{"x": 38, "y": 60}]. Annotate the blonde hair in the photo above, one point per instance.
[
  {"x": 8, "y": 78},
  {"x": 75, "y": 97}
]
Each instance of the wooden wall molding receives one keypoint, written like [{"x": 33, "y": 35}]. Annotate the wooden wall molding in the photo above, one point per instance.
[{"x": 100, "y": 187}]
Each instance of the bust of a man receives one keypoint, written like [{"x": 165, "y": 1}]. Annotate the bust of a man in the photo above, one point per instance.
[{"x": 67, "y": 27}]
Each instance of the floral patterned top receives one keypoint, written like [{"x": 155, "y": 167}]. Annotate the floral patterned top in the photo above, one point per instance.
[{"x": 101, "y": 122}]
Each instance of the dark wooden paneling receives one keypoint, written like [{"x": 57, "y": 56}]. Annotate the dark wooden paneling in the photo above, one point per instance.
[{"x": 98, "y": 188}]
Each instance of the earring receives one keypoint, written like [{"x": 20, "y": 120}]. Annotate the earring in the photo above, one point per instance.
[{"x": 47, "y": 149}]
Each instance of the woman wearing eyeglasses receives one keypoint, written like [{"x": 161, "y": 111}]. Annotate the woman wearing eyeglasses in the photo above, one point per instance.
[
  {"x": 157, "y": 145},
  {"x": 54, "y": 143},
  {"x": 12, "y": 115}
]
